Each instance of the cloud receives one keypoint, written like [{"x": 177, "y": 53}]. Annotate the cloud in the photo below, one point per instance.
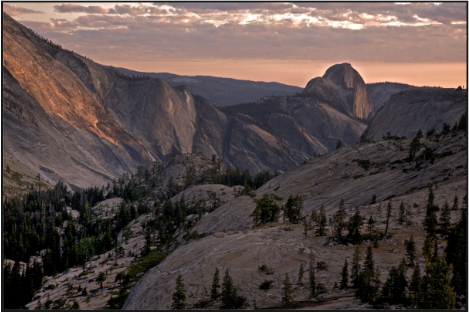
[
  {"x": 140, "y": 9},
  {"x": 381, "y": 32},
  {"x": 14, "y": 10}
]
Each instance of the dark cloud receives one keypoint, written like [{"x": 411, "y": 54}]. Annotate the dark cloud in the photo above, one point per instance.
[{"x": 14, "y": 10}]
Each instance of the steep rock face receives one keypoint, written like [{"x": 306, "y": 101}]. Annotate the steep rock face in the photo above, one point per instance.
[
  {"x": 46, "y": 144},
  {"x": 343, "y": 88},
  {"x": 248, "y": 144},
  {"x": 408, "y": 111},
  {"x": 285, "y": 127},
  {"x": 210, "y": 124},
  {"x": 161, "y": 117},
  {"x": 305, "y": 124},
  {"x": 57, "y": 124},
  {"x": 381, "y": 92}
]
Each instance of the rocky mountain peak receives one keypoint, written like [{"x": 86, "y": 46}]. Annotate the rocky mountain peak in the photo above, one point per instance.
[
  {"x": 343, "y": 88},
  {"x": 343, "y": 75}
]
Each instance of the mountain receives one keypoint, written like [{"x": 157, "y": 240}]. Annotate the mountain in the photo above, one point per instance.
[
  {"x": 54, "y": 120},
  {"x": 71, "y": 119},
  {"x": 343, "y": 88},
  {"x": 381, "y": 92},
  {"x": 408, "y": 111},
  {"x": 219, "y": 90}
]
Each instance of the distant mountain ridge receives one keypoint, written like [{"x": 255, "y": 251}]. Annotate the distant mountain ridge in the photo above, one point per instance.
[
  {"x": 219, "y": 90},
  {"x": 382, "y": 92}
]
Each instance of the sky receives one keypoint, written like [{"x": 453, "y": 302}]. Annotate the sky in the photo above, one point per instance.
[{"x": 422, "y": 44}]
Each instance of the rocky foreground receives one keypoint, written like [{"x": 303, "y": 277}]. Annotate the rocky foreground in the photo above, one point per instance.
[
  {"x": 235, "y": 245},
  {"x": 228, "y": 239}
]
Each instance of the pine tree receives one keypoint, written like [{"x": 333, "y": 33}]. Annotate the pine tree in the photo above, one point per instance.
[
  {"x": 101, "y": 278},
  {"x": 338, "y": 221},
  {"x": 287, "y": 291},
  {"x": 312, "y": 281},
  {"x": 419, "y": 134},
  {"x": 322, "y": 221},
  {"x": 456, "y": 254},
  {"x": 395, "y": 286},
  {"x": 339, "y": 144},
  {"x": 388, "y": 216},
  {"x": 414, "y": 281},
  {"x": 256, "y": 217},
  {"x": 455, "y": 204},
  {"x": 430, "y": 218},
  {"x": 356, "y": 267},
  {"x": 215, "y": 285},
  {"x": 371, "y": 224},
  {"x": 410, "y": 249},
  {"x": 376, "y": 281},
  {"x": 344, "y": 275},
  {"x": 435, "y": 290},
  {"x": 401, "y": 213},
  {"x": 293, "y": 208},
  {"x": 435, "y": 248},
  {"x": 427, "y": 248},
  {"x": 229, "y": 294},
  {"x": 146, "y": 249},
  {"x": 369, "y": 262},
  {"x": 179, "y": 295},
  {"x": 314, "y": 216},
  {"x": 366, "y": 278},
  {"x": 300, "y": 275},
  {"x": 305, "y": 227},
  {"x": 445, "y": 216},
  {"x": 354, "y": 224}
]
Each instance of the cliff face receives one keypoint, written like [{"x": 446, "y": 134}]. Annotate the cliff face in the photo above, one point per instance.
[
  {"x": 408, "y": 111},
  {"x": 55, "y": 123},
  {"x": 343, "y": 88}
]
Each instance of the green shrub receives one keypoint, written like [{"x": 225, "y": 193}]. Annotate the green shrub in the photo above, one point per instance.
[
  {"x": 265, "y": 269},
  {"x": 151, "y": 260},
  {"x": 194, "y": 236},
  {"x": 321, "y": 265},
  {"x": 201, "y": 304},
  {"x": 51, "y": 287},
  {"x": 365, "y": 164},
  {"x": 320, "y": 288},
  {"x": 266, "y": 284}
]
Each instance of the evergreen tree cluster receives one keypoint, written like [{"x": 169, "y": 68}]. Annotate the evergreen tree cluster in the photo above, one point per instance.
[{"x": 267, "y": 210}]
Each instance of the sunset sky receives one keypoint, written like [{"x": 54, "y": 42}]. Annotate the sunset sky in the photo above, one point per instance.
[{"x": 414, "y": 43}]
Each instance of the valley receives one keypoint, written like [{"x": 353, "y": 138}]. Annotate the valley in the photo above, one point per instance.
[{"x": 153, "y": 191}]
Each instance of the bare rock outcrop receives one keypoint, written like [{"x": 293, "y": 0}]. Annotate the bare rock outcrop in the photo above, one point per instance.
[
  {"x": 343, "y": 88},
  {"x": 408, "y": 111},
  {"x": 233, "y": 244},
  {"x": 381, "y": 92}
]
